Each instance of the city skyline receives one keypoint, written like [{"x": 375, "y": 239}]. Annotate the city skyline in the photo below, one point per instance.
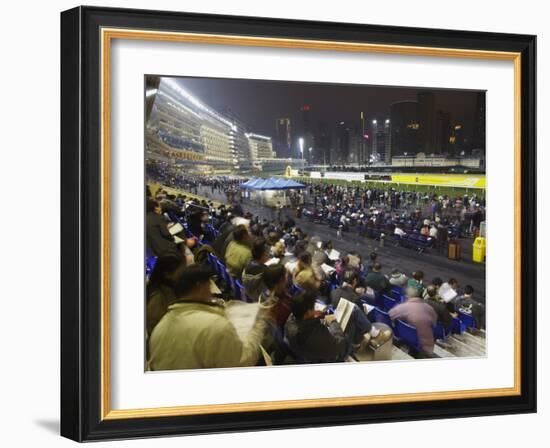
[{"x": 260, "y": 103}]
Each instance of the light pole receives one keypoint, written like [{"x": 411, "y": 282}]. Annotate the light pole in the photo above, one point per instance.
[{"x": 301, "y": 142}]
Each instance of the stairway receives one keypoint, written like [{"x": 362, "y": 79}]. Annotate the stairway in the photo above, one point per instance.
[
  {"x": 470, "y": 344},
  {"x": 465, "y": 345}
]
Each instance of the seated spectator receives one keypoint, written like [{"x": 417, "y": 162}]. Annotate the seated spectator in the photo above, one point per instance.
[
  {"x": 320, "y": 257},
  {"x": 196, "y": 223},
  {"x": 275, "y": 298},
  {"x": 468, "y": 305},
  {"x": 347, "y": 290},
  {"x": 378, "y": 281},
  {"x": 440, "y": 308},
  {"x": 372, "y": 261},
  {"x": 417, "y": 281},
  {"x": 195, "y": 333},
  {"x": 436, "y": 282},
  {"x": 253, "y": 274},
  {"x": 448, "y": 291},
  {"x": 312, "y": 338},
  {"x": 238, "y": 253},
  {"x": 351, "y": 261},
  {"x": 278, "y": 250},
  {"x": 398, "y": 278},
  {"x": 160, "y": 288},
  {"x": 416, "y": 312},
  {"x": 309, "y": 337},
  {"x": 224, "y": 237},
  {"x": 304, "y": 275},
  {"x": 159, "y": 240},
  {"x": 425, "y": 231}
]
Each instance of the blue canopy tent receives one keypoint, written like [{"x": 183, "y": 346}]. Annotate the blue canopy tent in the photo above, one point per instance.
[
  {"x": 292, "y": 184},
  {"x": 267, "y": 184},
  {"x": 250, "y": 182},
  {"x": 274, "y": 184}
]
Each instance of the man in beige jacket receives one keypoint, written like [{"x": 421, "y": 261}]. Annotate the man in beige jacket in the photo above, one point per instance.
[{"x": 196, "y": 333}]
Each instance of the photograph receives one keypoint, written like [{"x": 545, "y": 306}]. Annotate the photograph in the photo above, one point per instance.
[
  {"x": 296, "y": 223},
  {"x": 274, "y": 223}
]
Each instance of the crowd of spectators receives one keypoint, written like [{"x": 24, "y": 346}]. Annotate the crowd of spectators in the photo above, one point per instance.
[{"x": 294, "y": 277}]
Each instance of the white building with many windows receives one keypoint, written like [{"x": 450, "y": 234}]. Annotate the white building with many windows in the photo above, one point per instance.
[
  {"x": 261, "y": 147},
  {"x": 186, "y": 125}
]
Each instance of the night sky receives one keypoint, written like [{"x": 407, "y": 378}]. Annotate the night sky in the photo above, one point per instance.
[{"x": 259, "y": 103}]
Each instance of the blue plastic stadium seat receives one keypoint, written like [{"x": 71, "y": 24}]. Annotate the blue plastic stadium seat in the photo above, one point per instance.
[
  {"x": 150, "y": 261},
  {"x": 382, "y": 317},
  {"x": 238, "y": 288},
  {"x": 219, "y": 268},
  {"x": 467, "y": 319},
  {"x": 210, "y": 259},
  {"x": 214, "y": 263},
  {"x": 407, "y": 333},
  {"x": 397, "y": 290},
  {"x": 397, "y": 294},
  {"x": 227, "y": 278},
  {"x": 378, "y": 300},
  {"x": 389, "y": 303},
  {"x": 457, "y": 327}
]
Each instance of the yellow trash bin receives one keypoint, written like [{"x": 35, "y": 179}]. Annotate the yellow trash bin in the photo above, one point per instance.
[{"x": 478, "y": 253}]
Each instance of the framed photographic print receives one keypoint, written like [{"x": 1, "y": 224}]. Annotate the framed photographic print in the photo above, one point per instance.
[{"x": 276, "y": 224}]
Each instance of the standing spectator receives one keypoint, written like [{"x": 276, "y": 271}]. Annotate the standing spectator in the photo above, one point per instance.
[{"x": 416, "y": 312}]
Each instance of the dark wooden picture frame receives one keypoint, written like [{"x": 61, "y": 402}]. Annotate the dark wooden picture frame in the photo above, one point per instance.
[{"x": 85, "y": 413}]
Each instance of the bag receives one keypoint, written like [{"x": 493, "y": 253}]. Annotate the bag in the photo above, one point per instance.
[{"x": 201, "y": 254}]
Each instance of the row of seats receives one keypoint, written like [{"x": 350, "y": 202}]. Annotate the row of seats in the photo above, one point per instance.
[
  {"x": 232, "y": 284},
  {"x": 406, "y": 333}
]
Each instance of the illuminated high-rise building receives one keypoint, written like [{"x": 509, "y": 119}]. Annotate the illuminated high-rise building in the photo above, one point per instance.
[
  {"x": 427, "y": 122},
  {"x": 478, "y": 139},
  {"x": 380, "y": 141},
  {"x": 405, "y": 126},
  {"x": 283, "y": 132}
]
